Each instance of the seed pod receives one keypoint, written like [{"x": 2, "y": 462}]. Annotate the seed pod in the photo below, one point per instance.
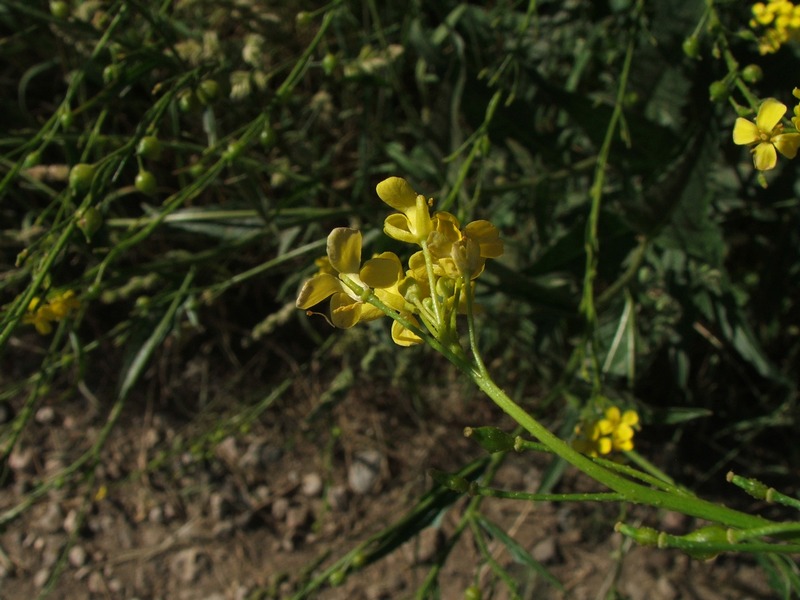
[
  {"x": 80, "y": 177},
  {"x": 149, "y": 147},
  {"x": 146, "y": 183},
  {"x": 89, "y": 221}
]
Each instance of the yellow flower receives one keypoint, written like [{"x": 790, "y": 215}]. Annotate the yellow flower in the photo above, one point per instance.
[
  {"x": 611, "y": 433},
  {"x": 39, "y": 315},
  {"x": 413, "y": 223},
  {"x": 42, "y": 315},
  {"x": 344, "y": 259},
  {"x": 64, "y": 304},
  {"x": 766, "y": 135}
]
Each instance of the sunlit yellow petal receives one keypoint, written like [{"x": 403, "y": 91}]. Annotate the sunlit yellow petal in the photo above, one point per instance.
[
  {"x": 392, "y": 298},
  {"x": 613, "y": 414},
  {"x": 398, "y": 227},
  {"x": 405, "y": 337},
  {"x": 604, "y": 445},
  {"x": 624, "y": 446},
  {"x": 630, "y": 417},
  {"x": 623, "y": 432},
  {"x": 345, "y": 312},
  {"x": 769, "y": 114},
  {"x": 344, "y": 249},
  {"x": 317, "y": 289},
  {"x": 745, "y": 132},
  {"x": 381, "y": 272},
  {"x": 787, "y": 144},
  {"x": 765, "y": 157},
  {"x": 397, "y": 193}
]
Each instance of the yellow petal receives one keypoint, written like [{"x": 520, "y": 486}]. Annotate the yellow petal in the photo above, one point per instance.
[
  {"x": 345, "y": 312},
  {"x": 623, "y": 433},
  {"x": 405, "y": 337},
  {"x": 613, "y": 415},
  {"x": 344, "y": 249},
  {"x": 624, "y": 446},
  {"x": 381, "y": 272},
  {"x": 630, "y": 417},
  {"x": 769, "y": 114},
  {"x": 604, "y": 445},
  {"x": 745, "y": 132},
  {"x": 787, "y": 144},
  {"x": 398, "y": 227},
  {"x": 317, "y": 289},
  {"x": 765, "y": 157},
  {"x": 397, "y": 193}
]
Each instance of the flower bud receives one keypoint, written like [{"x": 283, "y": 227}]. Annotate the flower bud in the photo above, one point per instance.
[
  {"x": 718, "y": 91},
  {"x": 80, "y": 177},
  {"x": 89, "y": 221},
  {"x": 691, "y": 47},
  {"x": 752, "y": 73},
  {"x": 146, "y": 183}
]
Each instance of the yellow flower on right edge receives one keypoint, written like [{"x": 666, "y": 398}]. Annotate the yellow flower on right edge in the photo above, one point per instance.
[{"x": 766, "y": 135}]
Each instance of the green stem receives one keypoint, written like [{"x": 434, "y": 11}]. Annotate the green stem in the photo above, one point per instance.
[{"x": 629, "y": 490}]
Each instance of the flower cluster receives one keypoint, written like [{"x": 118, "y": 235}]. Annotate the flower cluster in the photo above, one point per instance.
[
  {"x": 766, "y": 136},
  {"x": 778, "y": 22},
  {"x": 433, "y": 287},
  {"x": 43, "y": 314},
  {"x": 613, "y": 432}
]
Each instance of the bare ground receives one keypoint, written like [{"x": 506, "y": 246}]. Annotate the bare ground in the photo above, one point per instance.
[{"x": 202, "y": 504}]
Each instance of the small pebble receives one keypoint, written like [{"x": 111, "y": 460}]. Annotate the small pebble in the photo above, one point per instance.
[
  {"x": 71, "y": 521},
  {"x": 77, "y": 556},
  {"x": 52, "y": 519},
  {"x": 337, "y": 498},
  {"x": 365, "y": 471},
  {"x": 296, "y": 517},
  {"x": 311, "y": 485},
  {"x": 45, "y": 415},
  {"x": 41, "y": 577},
  {"x": 279, "y": 508}
]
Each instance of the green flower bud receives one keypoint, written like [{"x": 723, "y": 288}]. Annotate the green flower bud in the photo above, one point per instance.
[
  {"x": 752, "y": 73},
  {"x": 337, "y": 578},
  {"x": 491, "y": 439},
  {"x": 146, "y": 183},
  {"x": 32, "y": 159},
  {"x": 359, "y": 560},
  {"x": 149, "y": 147},
  {"x": 65, "y": 118},
  {"x": 691, "y": 47},
  {"x": 329, "y": 63},
  {"x": 187, "y": 101},
  {"x": 60, "y": 10},
  {"x": 718, "y": 91},
  {"x": 89, "y": 221},
  {"x": 207, "y": 91},
  {"x": 233, "y": 150},
  {"x": 111, "y": 73},
  {"x": 268, "y": 136},
  {"x": 473, "y": 592},
  {"x": 303, "y": 18},
  {"x": 80, "y": 177}
]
